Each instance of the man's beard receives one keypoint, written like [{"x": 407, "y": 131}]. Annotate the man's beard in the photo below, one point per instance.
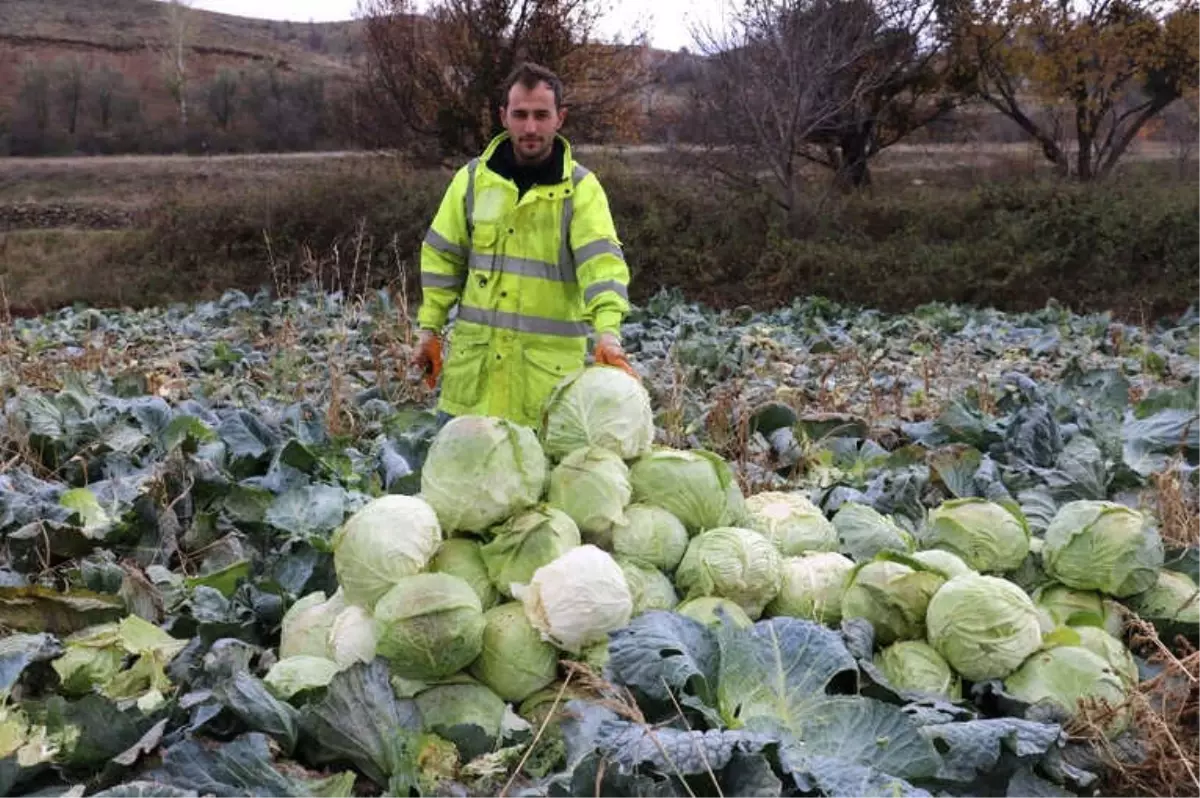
[{"x": 525, "y": 159}]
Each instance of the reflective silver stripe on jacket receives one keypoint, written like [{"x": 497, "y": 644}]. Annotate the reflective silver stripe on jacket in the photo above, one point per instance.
[
  {"x": 522, "y": 323},
  {"x": 435, "y": 280},
  {"x": 604, "y": 285},
  {"x": 526, "y": 267},
  {"x": 438, "y": 242},
  {"x": 599, "y": 247}
]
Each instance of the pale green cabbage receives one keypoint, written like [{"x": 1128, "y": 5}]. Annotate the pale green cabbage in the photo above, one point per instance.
[
  {"x": 1111, "y": 650},
  {"x": 1105, "y": 546},
  {"x": 1173, "y": 597},
  {"x": 515, "y": 662},
  {"x": 352, "y": 637},
  {"x": 390, "y": 538},
  {"x": 598, "y": 406},
  {"x": 1064, "y": 675},
  {"x": 650, "y": 535},
  {"x": 429, "y": 626},
  {"x": 649, "y": 587},
  {"x": 984, "y": 626},
  {"x": 306, "y": 625},
  {"x": 738, "y": 564},
  {"x": 1066, "y": 606},
  {"x": 949, "y": 564},
  {"x": 863, "y": 532},
  {"x": 577, "y": 599},
  {"x": 709, "y": 610},
  {"x": 790, "y": 521},
  {"x": 525, "y": 543},
  {"x": 987, "y": 536},
  {"x": 460, "y": 557},
  {"x": 592, "y": 487},
  {"x": 460, "y": 712},
  {"x": 893, "y": 597},
  {"x": 696, "y": 486},
  {"x": 481, "y": 470},
  {"x": 295, "y": 674},
  {"x": 812, "y": 587},
  {"x": 916, "y": 665}
]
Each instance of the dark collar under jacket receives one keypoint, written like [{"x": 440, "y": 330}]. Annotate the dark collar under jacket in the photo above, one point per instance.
[{"x": 547, "y": 173}]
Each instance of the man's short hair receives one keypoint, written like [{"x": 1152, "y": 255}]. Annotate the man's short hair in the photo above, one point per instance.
[{"x": 529, "y": 75}]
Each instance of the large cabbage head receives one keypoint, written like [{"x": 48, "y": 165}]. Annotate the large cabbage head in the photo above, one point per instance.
[
  {"x": 592, "y": 486},
  {"x": 984, "y": 626},
  {"x": 515, "y": 661},
  {"x": 915, "y": 665},
  {"x": 1173, "y": 597},
  {"x": 649, "y": 587},
  {"x": 789, "y": 520},
  {"x": 578, "y": 599},
  {"x": 429, "y": 626},
  {"x": 812, "y": 587},
  {"x": 525, "y": 543},
  {"x": 1064, "y": 675},
  {"x": 461, "y": 557},
  {"x": 738, "y": 564},
  {"x": 650, "y": 535},
  {"x": 713, "y": 611},
  {"x": 598, "y": 406},
  {"x": 987, "y": 536},
  {"x": 1111, "y": 650},
  {"x": 352, "y": 637},
  {"x": 863, "y": 532},
  {"x": 1066, "y": 606},
  {"x": 306, "y": 625},
  {"x": 481, "y": 470},
  {"x": 469, "y": 715},
  {"x": 390, "y": 538},
  {"x": 893, "y": 597},
  {"x": 1105, "y": 546},
  {"x": 940, "y": 560},
  {"x": 695, "y": 486}
]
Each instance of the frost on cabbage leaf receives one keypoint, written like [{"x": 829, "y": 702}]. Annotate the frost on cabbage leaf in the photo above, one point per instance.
[
  {"x": 578, "y": 599},
  {"x": 481, "y": 470},
  {"x": 598, "y": 406}
]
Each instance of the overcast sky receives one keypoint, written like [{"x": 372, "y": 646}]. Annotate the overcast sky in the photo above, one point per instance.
[{"x": 667, "y": 21}]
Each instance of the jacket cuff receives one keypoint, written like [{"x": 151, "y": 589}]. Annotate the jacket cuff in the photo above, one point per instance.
[
  {"x": 431, "y": 319},
  {"x": 608, "y": 321}
]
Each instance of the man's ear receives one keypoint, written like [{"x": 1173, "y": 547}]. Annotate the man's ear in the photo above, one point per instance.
[{"x": 562, "y": 115}]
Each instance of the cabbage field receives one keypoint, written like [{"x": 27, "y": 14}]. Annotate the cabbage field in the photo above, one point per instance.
[{"x": 816, "y": 551}]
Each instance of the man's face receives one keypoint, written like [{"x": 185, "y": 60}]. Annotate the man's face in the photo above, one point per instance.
[{"x": 532, "y": 119}]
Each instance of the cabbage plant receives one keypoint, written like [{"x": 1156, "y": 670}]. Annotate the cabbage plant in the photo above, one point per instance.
[
  {"x": 305, "y": 626},
  {"x": 515, "y": 662},
  {"x": 1066, "y": 606},
  {"x": 525, "y": 543},
  {"x": 461, "y": 557},
  {"x": 984, "y": 626},
  {"x": 591, "y": 486},
  {"x": 1173, "y": 597},
  {"x": 429, "y": 626},
  {"x": 812, "y": 587},
  {"x": 650, "y": 535},
  {"x": 863, "y": 532},
  {"x": 1063, "y": 676},
  {"x": 480, "y": 470},
  {"x": 987, "y": 536},
  {"x": 738, "y": 564},
  {"x": 790, "y": 521},
  {"x": 915, "y": 665},
  {"x": 713, "y": 611},
  {"x": 649, "y": 587},
  {"x": 1111, "y": 650},
  {"x": 1101, "y": 545},
  {"x": 940, "y": 560},
  {"x": 892, "y": 596},
  {"x": 696, "y": 486},
  {"x": 390, "y": 538},
  {"x": 469, "y": 715},
  {"x": 577, "y": 599},
  {"x": 352, "y": 637},
  {"x": 598, "y": 406}
]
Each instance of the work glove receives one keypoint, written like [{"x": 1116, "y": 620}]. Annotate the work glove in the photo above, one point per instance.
[
  {"x": 428, "y": 357},
  {"x": 608, "y": 352}
]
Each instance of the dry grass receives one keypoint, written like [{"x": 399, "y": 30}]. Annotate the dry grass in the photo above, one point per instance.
[{"x": 1178, "y": 512}]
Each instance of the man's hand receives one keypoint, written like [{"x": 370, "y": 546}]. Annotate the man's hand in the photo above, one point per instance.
[
  {"x": 608, "y": 352},
  {"x": 428, "y": 357}
]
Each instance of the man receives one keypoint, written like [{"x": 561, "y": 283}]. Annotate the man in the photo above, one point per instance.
[{"x": 525, "y": 244}]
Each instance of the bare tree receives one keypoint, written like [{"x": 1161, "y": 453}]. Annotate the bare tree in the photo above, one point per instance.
[
  {"x": 173, "y": 53},
  {"x": 34, "y": 98},
  {"x": 432, "y": 82},
  {"x": 70, "y": 85},
  {"x": 222, "y": 97},
  {"x": 105, "y": 84},
  {"x": 794, "y": 82}
]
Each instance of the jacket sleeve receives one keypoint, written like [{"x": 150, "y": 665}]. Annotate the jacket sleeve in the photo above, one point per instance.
[
  {"x": 600, "y": 266},
  {"x": 444, "y": 255}
]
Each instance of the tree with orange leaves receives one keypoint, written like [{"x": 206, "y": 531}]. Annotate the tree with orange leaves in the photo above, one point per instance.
[
  {"x": 1092, "y": 71},
  {"x": 431, "y": 83}
]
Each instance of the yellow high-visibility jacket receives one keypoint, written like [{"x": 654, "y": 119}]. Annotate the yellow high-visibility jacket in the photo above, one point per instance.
[{"x": 532, "y": 277}]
